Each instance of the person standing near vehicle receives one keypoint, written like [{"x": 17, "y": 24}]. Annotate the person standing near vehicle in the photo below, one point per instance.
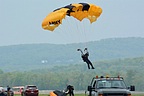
[
  {"x": 8, "y": 91},
  {"x": 70, "y": 90}
]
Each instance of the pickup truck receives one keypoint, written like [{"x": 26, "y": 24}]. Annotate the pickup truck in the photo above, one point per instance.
[{"x": 109, "y": 86}]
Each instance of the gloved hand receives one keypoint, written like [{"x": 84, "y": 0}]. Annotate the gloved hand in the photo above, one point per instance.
[{"x": 78, "y": 49}]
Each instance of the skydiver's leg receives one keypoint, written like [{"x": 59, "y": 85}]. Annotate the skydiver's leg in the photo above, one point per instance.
[
  {"x": 69, "y": 93},
  {"x": 91, "y": 64},
  {"x": 88, "y": 64},
  {"x": 72, "y": 93}
]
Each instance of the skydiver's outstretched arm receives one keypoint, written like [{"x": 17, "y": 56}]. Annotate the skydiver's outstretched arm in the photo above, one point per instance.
[{"x": 80, "y": 51}]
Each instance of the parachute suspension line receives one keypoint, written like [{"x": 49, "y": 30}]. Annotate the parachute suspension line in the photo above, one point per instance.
[
  {"x": 84, "y": 27},
  {"x": 84, "y": 32},
  {"x": 80, "y": 34},
  {"x": 60, "y": 32},
  {"x": 73, "y": 25},
  {"x": 66, "y": 27},
  {"x": 79, "y": 29},
  {"x": 70, "y": 28},
  {"x": 63, "y": 31}
]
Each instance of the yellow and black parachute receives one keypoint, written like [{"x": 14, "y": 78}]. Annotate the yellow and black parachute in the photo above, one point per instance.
[{"x": 78, "y": 11}]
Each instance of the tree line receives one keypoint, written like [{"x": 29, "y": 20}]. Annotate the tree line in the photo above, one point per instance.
[{"x": 77, "y": 75}]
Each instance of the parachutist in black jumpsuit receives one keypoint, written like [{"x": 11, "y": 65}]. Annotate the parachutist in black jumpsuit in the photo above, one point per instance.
[
  {"x": 8, "y": 91},
  {"x": 85, "y": 57},
  {"x": 70, "y": 89}
]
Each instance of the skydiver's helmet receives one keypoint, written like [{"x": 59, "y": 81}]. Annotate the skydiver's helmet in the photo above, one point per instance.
[{"x": 85, "y": 49}]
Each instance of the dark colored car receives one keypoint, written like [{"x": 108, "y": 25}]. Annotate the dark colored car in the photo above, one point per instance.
[{"x": 30, "y": 90}]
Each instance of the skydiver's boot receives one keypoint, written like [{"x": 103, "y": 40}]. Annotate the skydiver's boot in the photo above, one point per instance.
[{"x": 93, "y": 67}]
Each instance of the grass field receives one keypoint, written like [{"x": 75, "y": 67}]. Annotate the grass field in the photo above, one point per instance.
[{"x": 83, "y": 95}]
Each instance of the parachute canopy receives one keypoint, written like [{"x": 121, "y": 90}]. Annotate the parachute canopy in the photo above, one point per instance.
[{"x": 78, "y": 11}]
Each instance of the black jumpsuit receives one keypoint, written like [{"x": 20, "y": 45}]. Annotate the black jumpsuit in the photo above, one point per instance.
[
  {"x": 85, "y": 59},
  {"x": 70, "y": 90}
]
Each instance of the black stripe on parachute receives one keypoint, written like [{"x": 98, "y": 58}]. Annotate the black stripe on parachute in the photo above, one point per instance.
[
  {"x": 85, "y": 6},
  {"x": 70, "y": 7}
]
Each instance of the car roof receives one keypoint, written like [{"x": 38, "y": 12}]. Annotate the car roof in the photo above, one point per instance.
[
  {"x": 30, "y": 85},
  {"x": 1, "y": 88}
]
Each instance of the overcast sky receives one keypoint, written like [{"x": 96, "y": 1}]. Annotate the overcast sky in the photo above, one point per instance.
[{"x": 20, "y": 22}]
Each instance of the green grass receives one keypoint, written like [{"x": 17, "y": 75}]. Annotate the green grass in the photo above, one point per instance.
[
  {"x": 83, "y": 95},
  {"x": 138, "y": 95}
]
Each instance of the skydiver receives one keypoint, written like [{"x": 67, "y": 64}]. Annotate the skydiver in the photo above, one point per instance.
[{"x": 85, "y": 57}]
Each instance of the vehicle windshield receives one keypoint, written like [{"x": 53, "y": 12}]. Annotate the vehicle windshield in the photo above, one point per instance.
[
  {"x": 111, "y": 84},
  {"x": 31, "y": 87}
]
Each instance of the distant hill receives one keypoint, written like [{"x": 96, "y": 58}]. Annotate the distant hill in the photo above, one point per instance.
[{"x": 35, "y": 56}]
